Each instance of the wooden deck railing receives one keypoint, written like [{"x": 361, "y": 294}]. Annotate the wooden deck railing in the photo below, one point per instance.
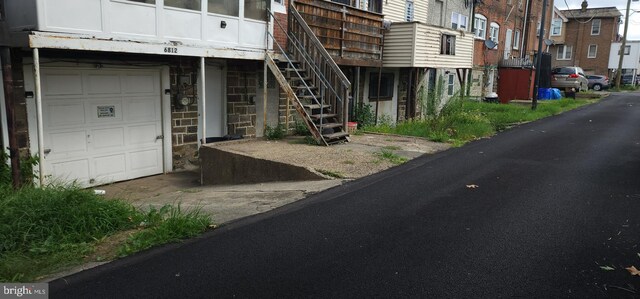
[{"x": 351, "y": 36}]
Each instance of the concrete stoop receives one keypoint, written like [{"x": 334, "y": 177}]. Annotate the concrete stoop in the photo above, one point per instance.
[{"x": 226, "y": 167}]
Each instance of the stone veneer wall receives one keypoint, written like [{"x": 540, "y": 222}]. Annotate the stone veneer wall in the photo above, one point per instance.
[
  {"x": 184, "y": 119},
  {"x": 241, "y": 97}
]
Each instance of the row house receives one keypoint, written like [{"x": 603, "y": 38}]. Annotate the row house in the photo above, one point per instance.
[
  {"x": 630, "y": 60},
  {"x": 429, "y": 45},
  {"x": 583, "y": 38},
  {"x": 110, "y": 90},
  {"x": 507, "y": 33}
]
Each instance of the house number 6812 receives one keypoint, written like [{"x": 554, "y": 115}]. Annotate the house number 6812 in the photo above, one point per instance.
[{"x": 170, "y": 50}]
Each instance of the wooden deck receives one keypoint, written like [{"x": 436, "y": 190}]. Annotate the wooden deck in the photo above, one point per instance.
[{"x": 351, "y": 36}]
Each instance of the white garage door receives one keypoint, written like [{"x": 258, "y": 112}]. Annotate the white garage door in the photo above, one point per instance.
[{"x": 101, "y": 125}]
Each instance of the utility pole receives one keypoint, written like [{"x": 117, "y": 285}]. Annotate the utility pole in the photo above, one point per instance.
[
  {"x": 536, "y": 82},
  {"x": 623, "y": 45},
  {"x": 7, "y": 79}
]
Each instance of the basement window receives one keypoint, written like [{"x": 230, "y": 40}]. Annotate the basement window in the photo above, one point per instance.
[
  {"x": 448, "y": 44},
  {"x": 184, "y": 4},
  {"x": 224, "y": 7},
  {"x": 386, "y": 86},
  {"x": 144, "y": 1},
  {"x": 255, "y": 9}
]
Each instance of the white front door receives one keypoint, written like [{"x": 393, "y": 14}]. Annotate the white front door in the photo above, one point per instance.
[
  {"x": 101, "y": 125},
  {"x": 507, "y": 44},
  {"x": 216, "y": 111}
]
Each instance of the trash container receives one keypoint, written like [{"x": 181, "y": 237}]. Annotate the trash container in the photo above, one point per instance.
[{"x": 491, "y": 97}]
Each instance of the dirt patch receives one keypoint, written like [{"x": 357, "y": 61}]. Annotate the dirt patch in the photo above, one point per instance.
[{"x": 355, "y": 159}]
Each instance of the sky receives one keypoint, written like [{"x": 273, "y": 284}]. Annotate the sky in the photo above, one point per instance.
[{"x": 634, "y": 26}]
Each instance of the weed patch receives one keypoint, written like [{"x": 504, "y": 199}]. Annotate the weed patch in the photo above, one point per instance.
[
  {"x": 391, "y": 157},
  {"x": 44, "y": 230},
  {"x": 461, "y": 121},
  {"x": 333, "y": 174}
]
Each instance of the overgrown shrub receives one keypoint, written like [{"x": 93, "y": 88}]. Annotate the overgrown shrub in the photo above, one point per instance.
[
  {"x": 275, "y": 133},
  {"x": 364, "y": 115}
]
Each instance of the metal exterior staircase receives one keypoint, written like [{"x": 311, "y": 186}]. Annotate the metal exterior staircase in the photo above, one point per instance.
[{"x": 313, "y": 82}]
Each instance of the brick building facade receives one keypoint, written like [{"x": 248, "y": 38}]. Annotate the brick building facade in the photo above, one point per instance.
[{"x": 587, "y": 39}]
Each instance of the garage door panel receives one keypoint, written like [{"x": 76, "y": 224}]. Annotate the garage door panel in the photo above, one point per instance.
[
  {"x": 103, "y": 84},
  {"x": 69, "y": 171},
  {"x": 65, "y": 143},
  {"x": 62, "y": 84},
  {"x": 110, "y": 165},
  {"x": 108, "y": 131},
  {"x": 144, "y": 135},
  {"x": 143, "y": 160},
  {"x": 67, "y": 113},
  {"x": 141, "y": 83},
  {"x": 107, "y": 138},
  {"x": 141, "y": 109}
]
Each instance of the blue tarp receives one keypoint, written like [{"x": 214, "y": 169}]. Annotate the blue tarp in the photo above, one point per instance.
[{"x": 549, "y": 94}]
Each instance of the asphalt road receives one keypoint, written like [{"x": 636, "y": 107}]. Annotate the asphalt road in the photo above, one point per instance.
[{"x": 555, "y": 200}]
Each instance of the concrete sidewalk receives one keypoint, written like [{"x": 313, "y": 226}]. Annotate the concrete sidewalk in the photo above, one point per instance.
[{"x": 223, "y": 203}]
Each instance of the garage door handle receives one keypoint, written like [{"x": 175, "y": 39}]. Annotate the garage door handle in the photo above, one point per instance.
[
  {"x": 159, "y": 137},
  {"x": 47, "y": 151}
]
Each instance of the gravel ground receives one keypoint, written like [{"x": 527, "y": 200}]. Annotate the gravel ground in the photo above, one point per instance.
[{"x": 355, "y": 159}]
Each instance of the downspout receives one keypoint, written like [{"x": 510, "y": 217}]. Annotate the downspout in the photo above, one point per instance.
[
  {"x": 38, "y": 91},
  {"x": 7, "y": 79},
  {"x": 473, "y": 31},
  {"x": 203, "y": 99},
  {"x": 525, "y": 34}
]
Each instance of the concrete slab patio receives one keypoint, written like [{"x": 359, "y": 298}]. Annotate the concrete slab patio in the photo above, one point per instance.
[{"x": 358, "y": 158}]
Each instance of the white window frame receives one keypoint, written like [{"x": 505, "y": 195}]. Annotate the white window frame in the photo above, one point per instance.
[
  {"x": 451, "y": 84},
  {"x": 556, "y": 24},
  {"x": 481, "y": 31},
  {"x": 516, "y": 39},
  {"x": 409, "y": 11},
  {"x": 593, "y": 23},
  {"x": 460, "y": 21},
  {"x": 447, "y": 44},
  {"x": 494, "y": 28},
  {"x": 595, "y": 52},
  {"x": 565, "y": 54}
]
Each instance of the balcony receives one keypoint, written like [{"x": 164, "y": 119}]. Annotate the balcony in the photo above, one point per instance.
[
  {"x": 415, "y": 44},
  {"x": 351, "y": 36}
]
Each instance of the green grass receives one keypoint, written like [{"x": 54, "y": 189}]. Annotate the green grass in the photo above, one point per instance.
[
  {"x": 168, "y": 224},
  {"x": 391, "y": 157},
  {"x": 463, "y": 121},
  {"x": 44, "y": 230}
]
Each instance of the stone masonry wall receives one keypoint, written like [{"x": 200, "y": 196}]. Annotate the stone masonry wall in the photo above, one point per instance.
[
  {"x": 184, "y": 119},
  {"x": 241, "y": 97}
]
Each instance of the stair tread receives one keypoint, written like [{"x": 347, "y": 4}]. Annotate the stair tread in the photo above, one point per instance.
[
  {"x": 330, "y": 125},
  {"x": 315, "y": 106},
  {"x": 336, "y": 135},
  {"x": 324, "y": 115},
  {"x": 304, "y": 87}
]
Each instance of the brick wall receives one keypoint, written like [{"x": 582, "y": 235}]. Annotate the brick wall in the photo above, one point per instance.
[
  {"x": 578, "y": 35},
  {"x": 184, "y": 119},
  {"x": 281, "y": 36}
]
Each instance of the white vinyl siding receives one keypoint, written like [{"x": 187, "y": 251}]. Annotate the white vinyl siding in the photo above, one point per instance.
[
  {"x": 411, "y": 45},
  {"x": 396, "y": 11}
]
